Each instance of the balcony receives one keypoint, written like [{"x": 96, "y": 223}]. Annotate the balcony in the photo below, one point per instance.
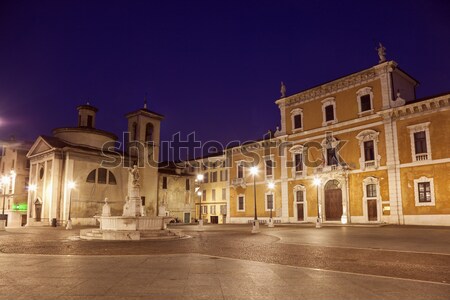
[
  {"x": 238, "y": 182},
  {"x": 327, "y": 169},
  {"x": 369, "y": 164}
]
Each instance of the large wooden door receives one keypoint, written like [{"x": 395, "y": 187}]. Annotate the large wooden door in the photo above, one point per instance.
[
  {"x": 333, "y": 204},
  {"x": 300, "y": 214},
  {"x": 372, "y": 210},
  {"x": 37, "y": 210}
]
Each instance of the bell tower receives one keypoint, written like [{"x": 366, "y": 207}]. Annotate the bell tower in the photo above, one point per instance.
[{"x": 142, "y": 144}]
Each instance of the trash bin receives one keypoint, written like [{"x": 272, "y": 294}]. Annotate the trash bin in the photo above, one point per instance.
[{"x": 54, "y": 222}]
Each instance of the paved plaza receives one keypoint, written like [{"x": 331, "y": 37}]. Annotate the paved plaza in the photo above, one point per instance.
[{"x": 228, "y": 262}]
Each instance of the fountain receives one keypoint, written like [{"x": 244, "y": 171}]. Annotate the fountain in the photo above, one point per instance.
[{"x": 133, "y": 224}]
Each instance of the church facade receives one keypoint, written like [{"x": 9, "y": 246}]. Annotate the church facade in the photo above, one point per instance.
[{"x": 75, "y": 169}]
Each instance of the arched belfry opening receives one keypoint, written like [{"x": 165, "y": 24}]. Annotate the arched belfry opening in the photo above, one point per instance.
[{"x": 149, "y": 132}]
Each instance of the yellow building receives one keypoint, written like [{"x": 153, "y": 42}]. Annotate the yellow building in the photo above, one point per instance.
[
  {"x": 14, "y": 177},
  {"x": 358, "y": 149},
  {"x": 212, "y": 188}
]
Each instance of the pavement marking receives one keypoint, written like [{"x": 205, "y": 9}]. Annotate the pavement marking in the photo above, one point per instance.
[
  {"x": 358, "y": 248},
  {"x": 245, "y": 260}
]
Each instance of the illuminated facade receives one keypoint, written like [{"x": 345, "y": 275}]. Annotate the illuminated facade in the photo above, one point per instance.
[
  {"x": 86, "y": 158},
  {"x": 14, "y": 174},
  {"x": 381, "y": 155}
]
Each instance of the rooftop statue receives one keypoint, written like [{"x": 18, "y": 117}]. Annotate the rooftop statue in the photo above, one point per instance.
[
  {"x": 283, "y": 90},
  {"x": 381, "y": 53}
]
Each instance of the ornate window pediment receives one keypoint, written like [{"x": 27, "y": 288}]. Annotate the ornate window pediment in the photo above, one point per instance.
[{"x": 368, "y": 144}]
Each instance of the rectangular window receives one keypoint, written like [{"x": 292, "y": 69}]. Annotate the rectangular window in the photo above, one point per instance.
[
  {"x": 204, "y": 195},
  {"x": 299, "y": 195},
  {"x": 297, "y": 121},
  {"x": 240, "y": 171},
  {"x": 224, "y": 194},
  {"x": 369, "y": 153},
  {"x": 331, "y": 157},
  {"x": 205, "y": 209},
  {"x": 223, "y": 175},
  {"x": 206, "y": 178},
  {"x": 101, "y": 176},
  {"x": 188, "y": 185},
  {"x": 213, "y": 195},
  {"x": 424, "y": 191},
  {"x": 13, "y": 164},
  {"x": 269, "y": 167},
  {"x": 329, "y": 113},
  {"x": 89, "y": 122},
  {"x": 371, "y": 191},
  {"x": 241, "y": 203},
  {"x": 420, "y": 142},
  {"x": 214, "y": 176},
  {"x": 212, "y": 209},
  {"x": 365, "y": 103},
  {"x": 269, "y": 201},
  {"x": 223, "y": 210},
  {"x": 298, "y": 162},
  {"x": 164, "y": 183}
]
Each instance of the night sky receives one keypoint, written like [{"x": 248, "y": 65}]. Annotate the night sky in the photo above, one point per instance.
[{"x": 213, "y": 67}]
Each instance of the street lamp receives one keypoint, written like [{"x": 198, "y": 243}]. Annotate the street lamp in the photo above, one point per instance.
[
  {"x": 70, "y": 186},
  {"x": 254, "y": 172},
  {"x": 199, "y": 193},
  {"x": 271, "y": 186},
  {"x": 317, "y": 184},
  {"x": 5, "y": 181}
]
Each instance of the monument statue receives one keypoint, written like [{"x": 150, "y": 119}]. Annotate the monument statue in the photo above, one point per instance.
[
  {"x": 283, "y": 90},
  {"x": 381, "y": 53},
  {"x": 133, "y": 177}
]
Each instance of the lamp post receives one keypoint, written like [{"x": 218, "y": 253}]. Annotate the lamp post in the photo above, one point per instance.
[
  {"x": 271, "y": 186},
  {"x": 317, "y": 184},
  {"x": 199, "y": 193},
  {"x": 70, "y": 186},
  {"x": 4, "y": 183},
  {"x": 255, "y": 227}
]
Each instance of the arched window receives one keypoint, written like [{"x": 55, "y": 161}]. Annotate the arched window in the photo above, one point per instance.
[
  {"x": 134, "y": 132},
  {"x": 91, "y": 176},
  {"x": 101, "y": 176},
  {"x": 149, "y": 132},
  {"x": 111, "y": 178},
  {"x": 332, "y": 185}
]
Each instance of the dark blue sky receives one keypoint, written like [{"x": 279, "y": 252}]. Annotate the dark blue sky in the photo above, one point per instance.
[{"x": 213, "y": 67}]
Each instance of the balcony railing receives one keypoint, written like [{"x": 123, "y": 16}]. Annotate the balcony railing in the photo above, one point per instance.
[
  {"x": 421, "y": 156},
  {"x": 369, "y": 164}
]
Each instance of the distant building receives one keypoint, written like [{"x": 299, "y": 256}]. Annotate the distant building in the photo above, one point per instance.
[
  {"x": 176, "y": 193},
  {"x": 14, "y": 172}
]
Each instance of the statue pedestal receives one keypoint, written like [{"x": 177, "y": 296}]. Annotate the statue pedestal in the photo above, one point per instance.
[{"x": 133, "y": 206}]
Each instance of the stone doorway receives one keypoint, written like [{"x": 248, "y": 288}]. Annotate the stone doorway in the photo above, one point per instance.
[
  {"x": 37, "y": 210},
  {"x": 333, "y": 201}
]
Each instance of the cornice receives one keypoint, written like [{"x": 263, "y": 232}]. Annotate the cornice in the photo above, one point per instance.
[{"x": 338, "y": 85}]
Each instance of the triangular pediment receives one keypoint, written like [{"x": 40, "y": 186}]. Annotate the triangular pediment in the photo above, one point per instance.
[{"x": 40, "y": 146}]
